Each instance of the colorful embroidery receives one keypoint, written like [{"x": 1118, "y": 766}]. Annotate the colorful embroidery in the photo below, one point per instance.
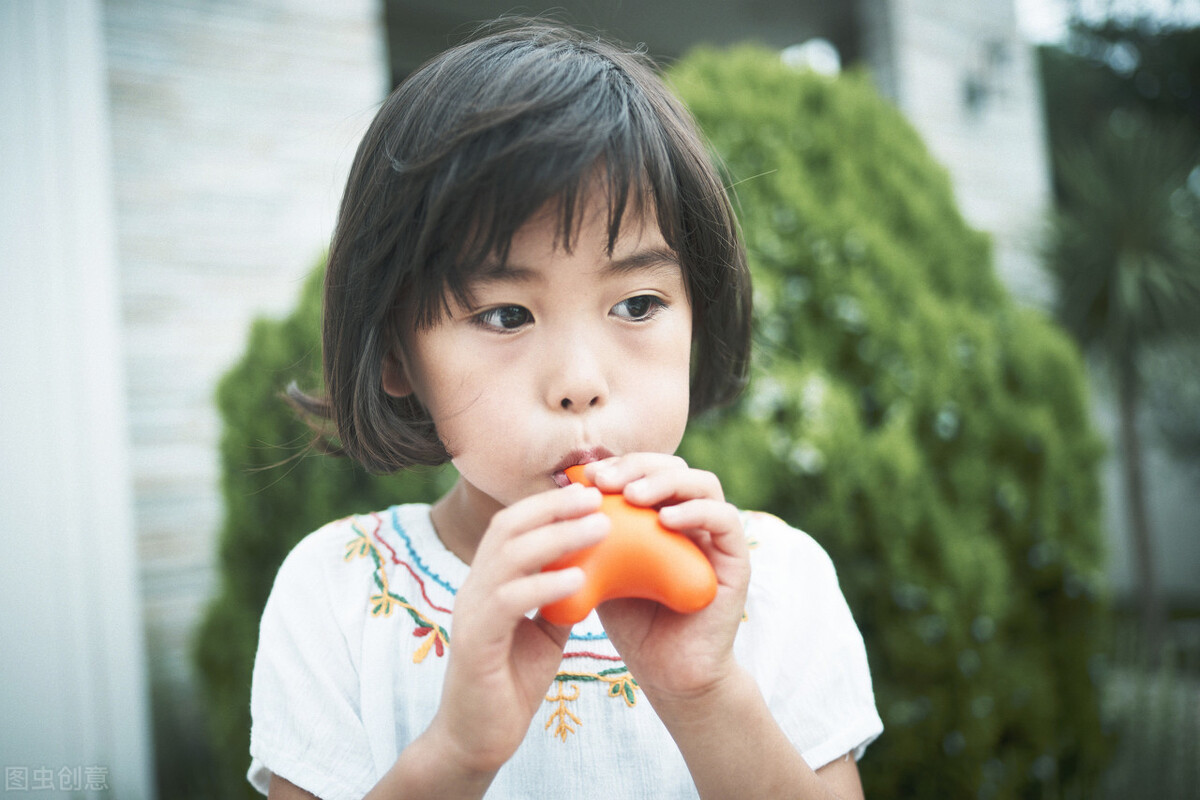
[
  {"x": 412, "y": 552},
  {"x": 396, "y": 560},
  {"x": 433, "y": 636},
  {"x": 386, "y": 601},
  {"x": 619, "y": 682},
  {"x": 562, "y": 712},
  {"x": 599, "y": 656}
]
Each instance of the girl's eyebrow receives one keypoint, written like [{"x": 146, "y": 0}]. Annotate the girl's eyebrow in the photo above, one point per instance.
[
  {"x": 648, "y": 259},
  {"x": 644, "y": 259}
]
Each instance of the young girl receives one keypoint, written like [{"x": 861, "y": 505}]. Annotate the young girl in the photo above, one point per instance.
[{"x": 536, "y": 266}]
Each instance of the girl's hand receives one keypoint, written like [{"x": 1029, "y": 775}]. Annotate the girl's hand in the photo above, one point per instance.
[
  {"x": 502, "y": 662},
  {"x": 684, "y": 663},
  {"x": 678, "y": 656}
]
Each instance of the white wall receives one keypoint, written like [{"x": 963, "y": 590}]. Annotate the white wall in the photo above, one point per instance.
[
  {"x": 1172, "y": 505},
  {"x": 234, "y": 125},
  {"x": 926, "y": 53},
  {"x": 170, "y": 170},
  {"x": 72, "y": 662}
]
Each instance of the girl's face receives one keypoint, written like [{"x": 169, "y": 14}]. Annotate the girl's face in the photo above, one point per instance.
[{"x": 566, "y": 358}]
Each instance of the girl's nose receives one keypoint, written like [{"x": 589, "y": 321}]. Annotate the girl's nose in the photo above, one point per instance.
[
  {"x": 577, "y": 380},
  {"x": 573, "y": 404}
]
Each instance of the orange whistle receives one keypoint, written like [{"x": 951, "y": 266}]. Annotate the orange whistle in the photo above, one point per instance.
[{"x": 638, "y": 558}]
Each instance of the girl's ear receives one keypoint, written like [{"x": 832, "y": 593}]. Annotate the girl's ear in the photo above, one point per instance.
[{"x": 395, "y": 376}]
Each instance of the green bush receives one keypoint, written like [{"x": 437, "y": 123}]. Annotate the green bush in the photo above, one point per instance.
[{"x": 932, "y": 436}]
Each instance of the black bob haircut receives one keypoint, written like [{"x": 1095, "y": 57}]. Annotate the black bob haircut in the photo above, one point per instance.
[{"x": 458, "y": 158}]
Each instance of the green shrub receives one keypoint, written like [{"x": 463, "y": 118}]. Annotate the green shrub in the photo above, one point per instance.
[{"x": 932, "y": 436}]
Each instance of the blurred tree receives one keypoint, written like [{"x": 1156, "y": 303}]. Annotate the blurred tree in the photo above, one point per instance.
[
  {"x": 1123, "y": 111},
  {"x": 1128, "y": 273},
  {"x": 1137, "y": 67}
]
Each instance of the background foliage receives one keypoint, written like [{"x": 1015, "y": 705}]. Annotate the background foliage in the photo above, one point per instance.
[
  {"x": 1122, "y": 106},
  {"x": 932, "y": 436},
  {"x": 1123, "y": 248},
  {"x": 1135, "y": 82}
]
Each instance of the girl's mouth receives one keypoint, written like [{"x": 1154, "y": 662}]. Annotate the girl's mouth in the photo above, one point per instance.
[{"x": 584, "y": 456}]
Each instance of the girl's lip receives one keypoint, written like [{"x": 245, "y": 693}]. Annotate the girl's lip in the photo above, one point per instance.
[{"x": 585, "y": 456}]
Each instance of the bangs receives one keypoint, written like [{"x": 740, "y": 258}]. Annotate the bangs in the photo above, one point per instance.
[
  {"x": 624, "y": 196},
  {"x": 505, "y": 157}
]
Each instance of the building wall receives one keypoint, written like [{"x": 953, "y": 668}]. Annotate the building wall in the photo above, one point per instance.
[
  {"x": 75, "y": 718},
  {"x": 964, "y": 77},
  {"x": 233, "y": 127}
]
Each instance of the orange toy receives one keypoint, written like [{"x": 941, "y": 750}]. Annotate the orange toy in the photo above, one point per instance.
[{"x": 638, "y": 558}]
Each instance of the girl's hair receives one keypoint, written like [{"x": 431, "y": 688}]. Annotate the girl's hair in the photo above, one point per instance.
[{"x": 460, "y": 156}]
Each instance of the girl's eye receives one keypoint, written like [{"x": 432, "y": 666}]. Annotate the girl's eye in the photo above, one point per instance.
[
  {"x": 640, "y": 308},
  {"x": 505, "y": 317}
]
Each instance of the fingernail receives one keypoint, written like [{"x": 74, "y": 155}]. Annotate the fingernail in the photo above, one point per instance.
[
  {"x": 572, "y": 578},
  {"x": 595, "y": 524}
]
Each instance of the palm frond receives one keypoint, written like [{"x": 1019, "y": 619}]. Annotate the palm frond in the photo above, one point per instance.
[{"x": 1124, "y": 252}]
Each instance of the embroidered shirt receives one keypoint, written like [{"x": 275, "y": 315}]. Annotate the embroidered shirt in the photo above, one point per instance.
[{"x": 355, "y": 635}]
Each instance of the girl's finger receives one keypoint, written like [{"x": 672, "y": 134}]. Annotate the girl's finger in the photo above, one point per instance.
[
  {"x": 674, "y": 486},
  {"x": 521, "y": 596},
  {"x": 612, "y": 474},
  {"x": 721, "y": 522},
  {"x": 540, "y": 509},
  {"x": 533, "y": 550}
]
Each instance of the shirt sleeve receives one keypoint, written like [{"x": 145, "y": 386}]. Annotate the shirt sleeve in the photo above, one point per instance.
[
  {"x": 804, "y": 646},
  {"x": 306, "y": 724}
]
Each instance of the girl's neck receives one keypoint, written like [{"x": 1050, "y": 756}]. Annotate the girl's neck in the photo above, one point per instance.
[{"x": 461, "y": 517}]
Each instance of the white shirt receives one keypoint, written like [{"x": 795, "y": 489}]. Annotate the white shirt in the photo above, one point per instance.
[{"x": 352, "y": 656}]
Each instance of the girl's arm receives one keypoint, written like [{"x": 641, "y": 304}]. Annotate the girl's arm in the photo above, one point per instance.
[
  {"x": 421, "y": 771},
  {"x": 283, "y": 789},
  {"x": 734, "y": 748},
  {"x": 684, "y": 663},
  {"x": 502, "y": 661},
  {"x": 838, "y": 779}
]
